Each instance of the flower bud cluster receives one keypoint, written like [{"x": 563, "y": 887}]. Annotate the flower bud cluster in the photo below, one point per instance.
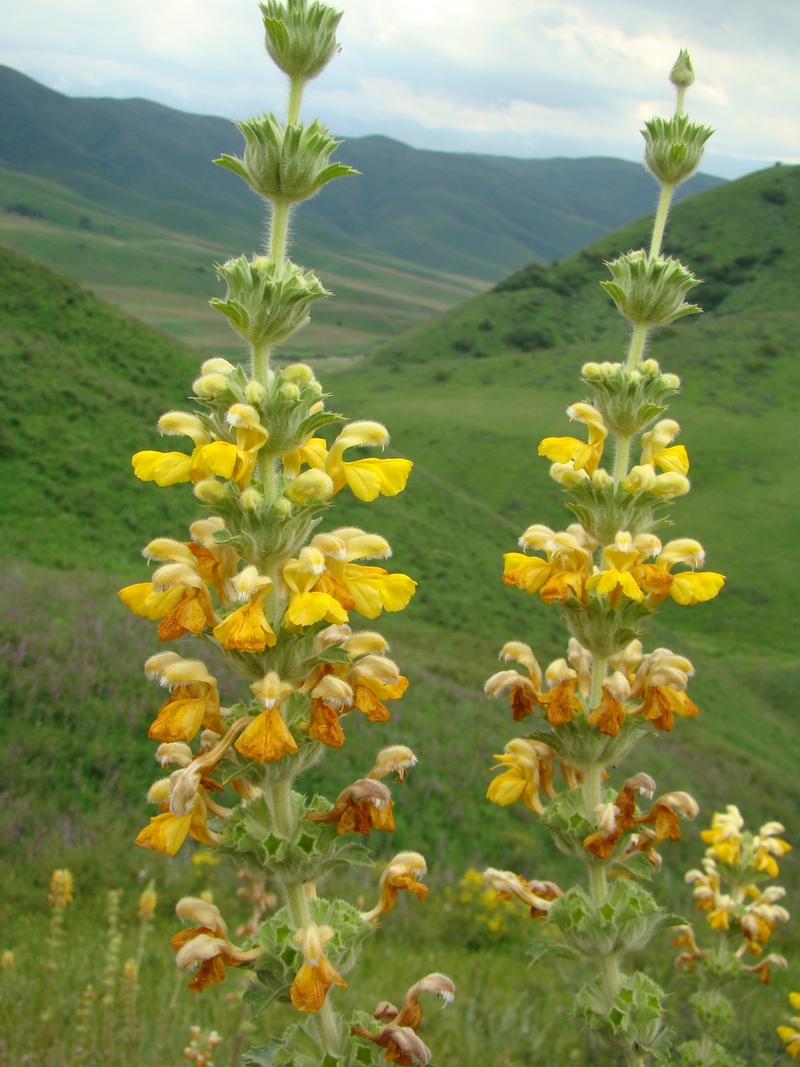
[
  {"x": 649, "y": 290},
  {"x": 300, "y": 38},
  {"x": 288, "y": 163}
]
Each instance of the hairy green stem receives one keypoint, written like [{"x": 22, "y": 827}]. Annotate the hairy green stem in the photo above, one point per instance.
[
  {"x": 295, "y": 96},
  {"x": 279, "y": 229},
  {"x": 662, "y": 211},
  {"x": 636, "y": 346}
]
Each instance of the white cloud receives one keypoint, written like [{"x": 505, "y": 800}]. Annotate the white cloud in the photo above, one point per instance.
[{"x": 516, "y": 76}]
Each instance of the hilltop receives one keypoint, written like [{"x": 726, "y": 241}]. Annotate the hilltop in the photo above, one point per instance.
[{"x": 473, "y": 215}]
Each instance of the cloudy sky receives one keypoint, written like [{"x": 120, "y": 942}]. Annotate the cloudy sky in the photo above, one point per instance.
[{"x": 532, "y": 78}]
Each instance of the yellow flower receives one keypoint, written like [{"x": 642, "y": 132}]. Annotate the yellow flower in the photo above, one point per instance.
[
  {"x": 268, "y": 738},
  {"x": 207, "y": 944},
  {"x": 246, "y": 629},
  {"x": 529, "y": 766},
  {"x": 361, "y": 807},
  {"x": 403, "y": 872},
  {"x": 317, "y": 973},
  {"x": 725, "y": 836},
  {"x": 194, "y": 701},
  {"x": 656, "y": 453},
  {"x": 584, "y": 456},
  {"x": 168, "y": 831},
  {"x": 369, "y": 590},
  {"x": 367, "y": 478},
  {"x": 313, "y": 452},
  {"x": 306, "y": 604},
  {"x": 621, "y": 557}
]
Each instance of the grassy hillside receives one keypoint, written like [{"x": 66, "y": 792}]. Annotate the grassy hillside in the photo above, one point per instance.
[
  {"x": 166, "y": 277},
  {"x": 479, "y": 216},
  {"x": 95, "y": 383},
  {"x": 741, "y": 240}
]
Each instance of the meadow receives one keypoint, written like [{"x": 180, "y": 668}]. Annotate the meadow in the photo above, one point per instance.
[{"x": 467, "y": 397}]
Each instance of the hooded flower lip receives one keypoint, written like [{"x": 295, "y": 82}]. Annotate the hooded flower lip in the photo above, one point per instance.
[
  {"x": 398, "y": 1035},
  {"x": 316, "y": 974},
  {"x": 247, "y": 628},
  {"x": 361, "y": 807},
  {"x": 194, "y": 699},
  {"x": 584, "y": 456},
  {"x": 366, "y": 478},
  {"x": 403, "y": 872},
  {"x": 206, "y": 944},
  {"x": 267, "y": 738},
  {"x": 538, "y": 896}
]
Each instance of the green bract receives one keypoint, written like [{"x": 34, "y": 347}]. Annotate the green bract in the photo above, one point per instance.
[
  {"x": 300, "y": 38},
  {"x": 649, "y": 290},
  {"x": 674, "y": 147},
  {"x": 288, "y": 163},
  {"x": 629, "y": 399},
  {"x": 267, "y": 301}
]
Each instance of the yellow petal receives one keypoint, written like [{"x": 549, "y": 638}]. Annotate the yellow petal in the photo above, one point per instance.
[
  {"x": 369, "y": 478},
  {"x": 691, "y": 587},
  {"x": 163, "y": 468}
]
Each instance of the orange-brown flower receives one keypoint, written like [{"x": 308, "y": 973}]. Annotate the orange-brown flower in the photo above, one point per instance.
[
  {"x": 361, "y": 807},
  {"x": 206, "y": 944},
  {"x": 317, "y": 973}
]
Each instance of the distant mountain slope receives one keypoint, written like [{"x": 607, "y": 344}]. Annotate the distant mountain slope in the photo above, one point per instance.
[
  {"x": 742, "y": 239},
  {"x": 479, "y": 216}
]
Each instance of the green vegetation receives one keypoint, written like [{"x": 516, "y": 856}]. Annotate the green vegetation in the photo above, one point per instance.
[{"x": 469, "y": 407}]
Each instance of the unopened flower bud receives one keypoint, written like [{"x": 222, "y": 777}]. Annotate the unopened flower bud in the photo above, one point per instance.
[
  {"x": 682, "y": 74},
  {"x": 671, "y": 484},
  {"x": 209, "y": 385},
  {"x": 251, "y": 499},
  {"x": 210, "y": 491},
  {"x": 310, "y": 485},
  {"x": 649, "y": 367},
  {"x": 255, "y": 392},
  {"x": 289, "y": 391}
]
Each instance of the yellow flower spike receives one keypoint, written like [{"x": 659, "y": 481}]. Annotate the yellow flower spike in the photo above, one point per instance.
[
  {"x": 403, "y": 872},
  {"x": 316, "y": 975},
  {"x": 268, "y": 738},
  {"x": 361, "y": 807},
  {"x": 62, "y": 888},
  {"x": 656, "y": 453},
  {"x": 395, "y": 759},
  {"x": 247, "y": 629},
  {"x": 538, "y": 896},
  {"x": 367, "y": 478},
  {"x": 725, "y": 835},
  {"x": 584, "y": 456}
]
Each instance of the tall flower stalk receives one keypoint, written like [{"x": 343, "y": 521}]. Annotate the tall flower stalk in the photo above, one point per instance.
[
  {"x": 608, "y": 573},
  {"x": 257, "y": 585}
]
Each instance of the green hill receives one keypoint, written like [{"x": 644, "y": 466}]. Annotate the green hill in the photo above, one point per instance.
[
  {"x": 472, "y": 215},
  {"x": 85, "y": 385}
]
